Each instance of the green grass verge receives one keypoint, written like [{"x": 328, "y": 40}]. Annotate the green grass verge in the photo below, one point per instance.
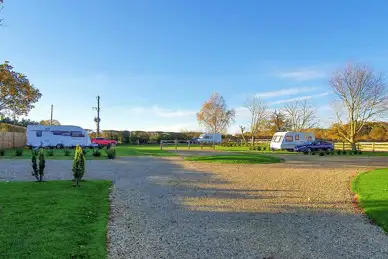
[
  {"x": 146, "y": 150},
  {"x": 121, "y": 150},
  {"x": 53, "y": 219},
  {"x": 222, "y": 148},
  {"x": 372, "y": 190},
  {"x": 236, "y": 159},
  {"x": 59, "y": 154}
]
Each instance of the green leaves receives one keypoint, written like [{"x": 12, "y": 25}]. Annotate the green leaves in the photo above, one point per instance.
[
  {"x": 17, "y": 95},
  {"x": 38, "y": 170},
  {"x": 78, "y": 164}
]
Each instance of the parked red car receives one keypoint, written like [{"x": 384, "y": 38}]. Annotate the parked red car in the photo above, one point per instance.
[{"x": 103, "y": 141}]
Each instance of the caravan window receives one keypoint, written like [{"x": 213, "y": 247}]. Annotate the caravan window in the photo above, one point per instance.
[
  {"x": 289, "y": 139},
  {"x": 39, "y": 133},
  {"x": 61, "y": 133},
  {"x": 297, "y": 137},
  {"x": 77, "y": 134}
]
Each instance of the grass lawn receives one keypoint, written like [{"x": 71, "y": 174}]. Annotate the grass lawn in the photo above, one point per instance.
[
  {"x": 244, "y": 149},
  {"x": 59, "y": 154},
  {"x": 236, "y": 159},
  {"x": 53, "y": 219},
  {"x": 146, "y": 150},
  {"x": 372, "y": 190}
]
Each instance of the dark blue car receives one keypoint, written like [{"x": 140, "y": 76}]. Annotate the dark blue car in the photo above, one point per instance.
[{"x": 315, "y": 146}]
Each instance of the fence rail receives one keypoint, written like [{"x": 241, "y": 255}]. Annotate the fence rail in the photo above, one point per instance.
[
  {"x": 364, "y": 146},
  {"x": 12, "y": 140},
  {"x": 187, "y": 143}
]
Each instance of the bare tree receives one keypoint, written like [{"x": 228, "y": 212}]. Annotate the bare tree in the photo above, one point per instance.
[
  {"x": 279, "y": 122},
  {"x": 242, "y": 128},
  {"x": 215, "y": 115},
  {"x": 1, "y": 8},
  {"x": 259, "y": 114},
  {"x": 363, "y": 97},
  {"x": 301, "y": 115}
]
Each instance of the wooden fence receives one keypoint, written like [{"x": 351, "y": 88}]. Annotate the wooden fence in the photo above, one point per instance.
[
  {"x": 364, "y": 146},
  {"x": 12, "y": 140}
]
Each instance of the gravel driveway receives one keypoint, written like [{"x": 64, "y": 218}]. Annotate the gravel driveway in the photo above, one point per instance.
[{"x": 169, "y": 208}]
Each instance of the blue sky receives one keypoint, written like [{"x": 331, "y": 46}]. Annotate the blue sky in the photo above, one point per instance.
[{"x": 155, "y": 62}]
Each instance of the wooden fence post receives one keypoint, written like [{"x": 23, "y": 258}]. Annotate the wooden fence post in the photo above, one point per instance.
[
  {"x": 373, "y": 147},
  {"x": 161, "y": 145},
  {"x": 188, "y": 142},
  {"x": 343, "y": 146},
  {"x": 176, "y": 145}
]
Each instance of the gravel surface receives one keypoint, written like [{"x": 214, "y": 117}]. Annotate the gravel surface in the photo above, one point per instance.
[{"x": 169, "y": 208}]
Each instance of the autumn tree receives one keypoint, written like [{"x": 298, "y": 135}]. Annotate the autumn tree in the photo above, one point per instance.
[
  {"x": 377, "y": 133},
  {"x": 301, "y": 115},
  {"x": 17, "y": 95},
  {"x": 362, "y": 96},
  {"x": 279, "y": 122},
  {"x": 215, "y": 115},
  {"x": 48, "y": 122},
  {"x": 259, "y": 114}
]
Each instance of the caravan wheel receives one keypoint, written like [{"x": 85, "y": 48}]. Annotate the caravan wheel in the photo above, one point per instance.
[{"x": 59, "y": 146}]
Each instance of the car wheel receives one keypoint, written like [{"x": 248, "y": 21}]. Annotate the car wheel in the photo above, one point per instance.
[
  {"x": 328, "y": 150},
  {"x": 309, "y": 150}
]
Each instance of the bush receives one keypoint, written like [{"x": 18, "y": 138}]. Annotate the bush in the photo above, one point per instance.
[
  {"x": 2, "y": 152},
  {"x": 343, "y": 152},
  {"x": 19, "y": 152},
  {"x": 96, "y": 153},
  {"x": 321, "y": 153},
  {"x": 258, "y": 148},
  {"x": 264, "y": 148},
  {"x": 339, "y": 152},
  {"x": 78, "y": 165},
  {"x": 84, "y": 151},
  {"x": 313, "y": 153},
  {"x": 359, "y": 152},
  {"x": 38, "y": 168},
  {"x": 50, "y": 152},
  {"x": 305, "y": 152},
  {"x": 111, "y": 153},
  {"x": 66, "y": 152}
]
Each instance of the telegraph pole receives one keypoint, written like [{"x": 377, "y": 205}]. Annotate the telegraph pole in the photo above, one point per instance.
[
  {"x": 97, "y": 119},
  {"x": 51, "y": 118}
]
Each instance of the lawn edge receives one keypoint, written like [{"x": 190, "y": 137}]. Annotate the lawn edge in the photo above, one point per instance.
[{"x": 356, "y": 200}]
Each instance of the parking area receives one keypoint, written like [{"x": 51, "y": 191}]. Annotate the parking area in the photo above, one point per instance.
[{"x": 171, "y": 208}]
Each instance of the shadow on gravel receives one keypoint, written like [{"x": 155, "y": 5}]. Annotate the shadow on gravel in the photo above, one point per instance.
[{"x": 164, "y": 210}]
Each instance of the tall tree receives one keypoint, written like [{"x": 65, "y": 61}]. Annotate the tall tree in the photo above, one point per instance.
[
  {"x": 48, "y": 122},
  {"x": 215, "y": 115},
  {"x": 259, "y": 114},
  {"x": 242, "y": 128},
  {"x": 279, "y": 122},
  {"x": 301, "y": 115},
  {"x": 363, "y": 97},
  {"x": 17, "y": 95},
  {"x": 1, "y": 8}
]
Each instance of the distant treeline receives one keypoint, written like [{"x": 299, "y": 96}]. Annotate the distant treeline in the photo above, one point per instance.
[{"x": 372, "y": 131}]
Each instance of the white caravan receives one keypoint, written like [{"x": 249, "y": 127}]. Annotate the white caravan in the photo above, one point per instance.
[
  {"x": 288, "y": 140},
  {"x": 57, "y": 136},
  {"x": 209, "y": 138}
]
